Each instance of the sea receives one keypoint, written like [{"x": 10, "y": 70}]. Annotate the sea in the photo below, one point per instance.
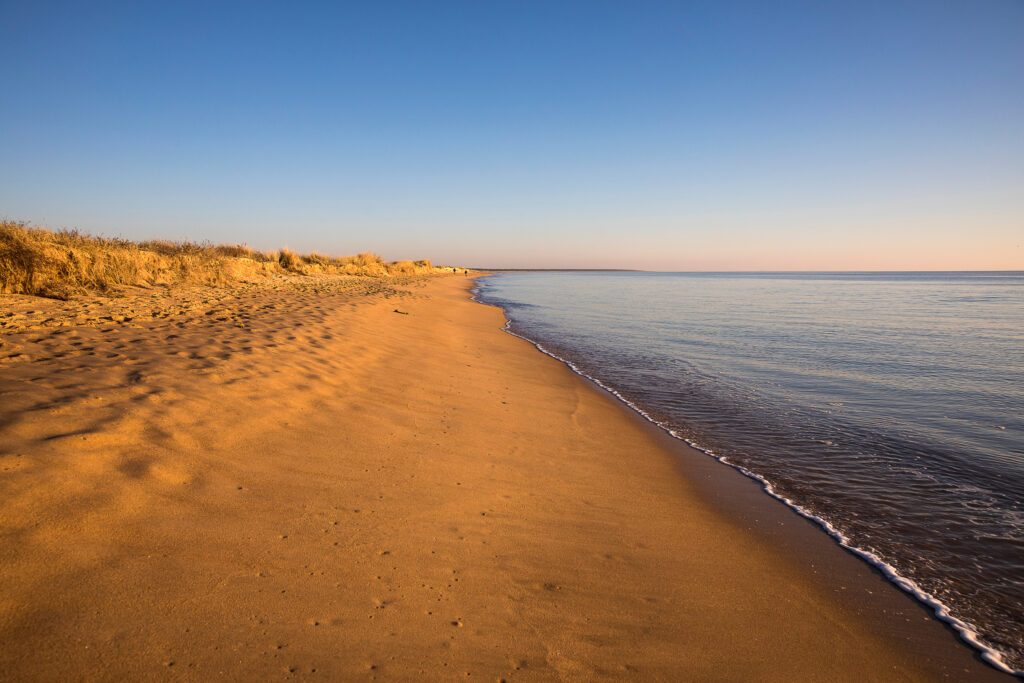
[{"x": 887, "y": 407}]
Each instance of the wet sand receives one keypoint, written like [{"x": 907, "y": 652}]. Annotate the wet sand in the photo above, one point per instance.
[{"x": 339, "y": 478}]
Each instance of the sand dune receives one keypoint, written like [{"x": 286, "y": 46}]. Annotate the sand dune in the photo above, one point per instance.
[{"x": 299, "y": 481}]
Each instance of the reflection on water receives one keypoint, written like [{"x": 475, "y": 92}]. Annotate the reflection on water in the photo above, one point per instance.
[{"x": 889, "y": 404}]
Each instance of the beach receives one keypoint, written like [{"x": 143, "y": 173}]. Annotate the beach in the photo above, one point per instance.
[{"x": 335, "y": 478}]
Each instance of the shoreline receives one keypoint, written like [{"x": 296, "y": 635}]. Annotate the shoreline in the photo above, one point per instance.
[
  {"x": 965, "y": 632},
  {"x": 300, "y": 483}
]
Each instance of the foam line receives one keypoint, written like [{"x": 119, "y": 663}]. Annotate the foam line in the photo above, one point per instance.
[{"x": 967, "y": 632}]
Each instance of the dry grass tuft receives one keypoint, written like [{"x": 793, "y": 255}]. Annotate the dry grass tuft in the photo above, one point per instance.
[
  {"x": 242, "y": 251},
  {"x": 290, "y": 261},
  {"x": 62, "y": 263}
]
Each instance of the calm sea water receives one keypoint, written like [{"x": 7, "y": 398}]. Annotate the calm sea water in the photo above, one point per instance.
[{"x": 889, "y": 405}]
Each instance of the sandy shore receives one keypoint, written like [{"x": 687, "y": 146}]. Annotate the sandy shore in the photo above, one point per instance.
[{"x": 335, "y": 480}]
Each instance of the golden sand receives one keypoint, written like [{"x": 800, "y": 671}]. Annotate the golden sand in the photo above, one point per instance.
[{"x": 303, "y": 482}]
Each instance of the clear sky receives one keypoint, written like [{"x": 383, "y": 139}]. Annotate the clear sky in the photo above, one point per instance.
[{"x": 680, "y": 136}]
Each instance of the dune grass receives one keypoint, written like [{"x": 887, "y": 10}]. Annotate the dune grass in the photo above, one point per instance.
[{"x": 62, "y": 263}]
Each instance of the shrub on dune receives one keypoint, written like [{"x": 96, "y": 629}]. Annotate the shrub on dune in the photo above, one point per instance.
[{"x": 289, "y": 260}]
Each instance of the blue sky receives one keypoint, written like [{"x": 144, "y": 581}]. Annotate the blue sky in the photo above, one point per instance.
[{"x": 784, "y": 135}]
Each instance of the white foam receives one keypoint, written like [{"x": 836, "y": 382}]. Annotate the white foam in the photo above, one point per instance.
[{"x": 967, "y": 632}]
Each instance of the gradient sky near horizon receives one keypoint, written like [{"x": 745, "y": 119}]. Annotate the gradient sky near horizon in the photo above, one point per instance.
[{"x": 673, "y": 136}]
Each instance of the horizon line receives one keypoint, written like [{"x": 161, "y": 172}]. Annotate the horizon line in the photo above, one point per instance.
[{"x": 753, "y": 272}]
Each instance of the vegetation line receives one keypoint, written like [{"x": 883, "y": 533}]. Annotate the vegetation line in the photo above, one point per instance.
[{"x": 61, "y": 263}]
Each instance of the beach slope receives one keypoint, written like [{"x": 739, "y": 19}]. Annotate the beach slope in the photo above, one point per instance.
[{"x": 330, "y": 482}]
